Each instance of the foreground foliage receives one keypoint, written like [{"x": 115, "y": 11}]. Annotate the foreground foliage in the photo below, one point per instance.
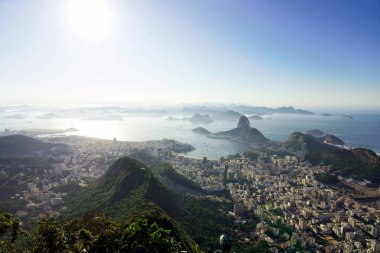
[{"x": 93, "y": 233}]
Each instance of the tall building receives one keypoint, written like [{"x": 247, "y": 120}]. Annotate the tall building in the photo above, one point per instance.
[
  {"x": 375, "y": 230},
  {"x": 302, "y": 223},
  {"x": 375, "y": 246}
]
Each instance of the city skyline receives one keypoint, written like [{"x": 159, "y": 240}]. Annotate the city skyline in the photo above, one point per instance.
[{"x": 265, "y": 53}]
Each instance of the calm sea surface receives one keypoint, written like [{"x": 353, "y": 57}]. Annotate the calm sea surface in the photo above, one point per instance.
[{"x": 361, "y": 131}]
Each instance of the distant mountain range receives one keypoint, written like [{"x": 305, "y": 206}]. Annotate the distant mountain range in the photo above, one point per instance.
[
  {"x": 234, "y": 112},
  {"x": 215, "y": 111},
  {"x": 242, "y": 109},
  {"x": 206, "y": 114}
]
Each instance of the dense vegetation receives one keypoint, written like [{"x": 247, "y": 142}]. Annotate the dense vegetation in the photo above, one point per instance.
[
  {"x": 251, "y": 155},
  {"x": 166, "y": 170},
  {"x": 357, "y": 162},
  {"x": 132, "y": 195},
  {"x": 326, "y": 178},
  {"x": 15, "y": 170},
  {"x": 20, "y": 145},
  {"x": 93, "y": 232},
  {"x": 68, "y": 188},
  {"x": 130, "y": 191}
]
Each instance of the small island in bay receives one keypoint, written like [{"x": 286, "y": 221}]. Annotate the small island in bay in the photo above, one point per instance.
[
  {"x": 201, "y": 130},
  {"x": 243, "y": 133},
  {"x": 346, "y": 116}
]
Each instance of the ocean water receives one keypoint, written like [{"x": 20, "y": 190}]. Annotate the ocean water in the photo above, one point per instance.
[{"x": 361, "y": 131}]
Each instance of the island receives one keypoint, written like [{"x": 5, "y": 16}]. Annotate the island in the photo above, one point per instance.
[
  {"x": 347, "y": 116},
  {"x": 243, "y": 133},
  {"x": 201, "y": 130}
]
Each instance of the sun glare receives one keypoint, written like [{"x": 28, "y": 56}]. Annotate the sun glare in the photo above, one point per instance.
[{"x": 91, "y": 19}]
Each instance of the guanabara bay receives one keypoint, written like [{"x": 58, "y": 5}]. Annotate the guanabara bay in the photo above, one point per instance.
[
  {"x": 197, "y": 126},
  {"x": 80, "y": 194}
]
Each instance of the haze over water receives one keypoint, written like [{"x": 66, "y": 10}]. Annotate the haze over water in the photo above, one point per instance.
[
  {"x": 361, "y": 131},
  {"x": 268, "y": 53}
]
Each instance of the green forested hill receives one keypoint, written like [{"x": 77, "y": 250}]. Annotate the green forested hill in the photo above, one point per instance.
[
  {"x": 357, "y": 162},
  {"x": 20, "y": 145},
  {"x": 129, "y": 191}
]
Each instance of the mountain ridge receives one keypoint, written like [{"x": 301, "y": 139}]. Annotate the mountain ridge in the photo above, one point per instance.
[
  {"x": 357, "y": 162},
  {"x": 129, "y": 190},
  {"x": 21, "y": 145},
  {"x": 244, "y": 109}
]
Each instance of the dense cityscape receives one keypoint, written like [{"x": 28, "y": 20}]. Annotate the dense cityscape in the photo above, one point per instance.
[{"x": 278, "y": 190}]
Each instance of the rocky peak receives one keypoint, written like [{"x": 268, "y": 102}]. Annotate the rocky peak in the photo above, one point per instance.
[{"x": 243, "y": 122}]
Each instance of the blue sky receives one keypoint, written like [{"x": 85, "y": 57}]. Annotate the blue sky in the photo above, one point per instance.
[{"x": 271, "y": 53}]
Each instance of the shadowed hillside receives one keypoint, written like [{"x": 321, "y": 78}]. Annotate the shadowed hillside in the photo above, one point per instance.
[
  {"x": 129, "y": 190},
  {"x": 357, "y": 162},
  {"x": 20, "y": 145}
]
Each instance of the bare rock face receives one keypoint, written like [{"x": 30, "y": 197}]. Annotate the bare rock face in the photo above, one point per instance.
[
  {"x": 243, "y": 122},
  {"x": 332, "y": 139}
]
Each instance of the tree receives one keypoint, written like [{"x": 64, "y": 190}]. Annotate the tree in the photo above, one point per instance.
[
  {"x": 49, "y": 236},
  {"x": 151, "y": 237},
  {"x": 9, "y": 233}
]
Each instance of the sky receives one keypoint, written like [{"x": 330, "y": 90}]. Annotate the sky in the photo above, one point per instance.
[{"x": 265, "y": 53}]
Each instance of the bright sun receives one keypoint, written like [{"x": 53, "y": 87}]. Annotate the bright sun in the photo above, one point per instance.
[{"x": 90, "y": 19}]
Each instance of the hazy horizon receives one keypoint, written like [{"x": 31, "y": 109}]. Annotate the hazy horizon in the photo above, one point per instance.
[{"x": 174, "y": 107}]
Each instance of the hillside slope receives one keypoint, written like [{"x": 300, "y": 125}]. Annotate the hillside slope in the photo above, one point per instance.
[
  {"x": 20, "y": 145},
  {"x": 129, "y": 190},
  {"x": 358, "y": 162}
]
